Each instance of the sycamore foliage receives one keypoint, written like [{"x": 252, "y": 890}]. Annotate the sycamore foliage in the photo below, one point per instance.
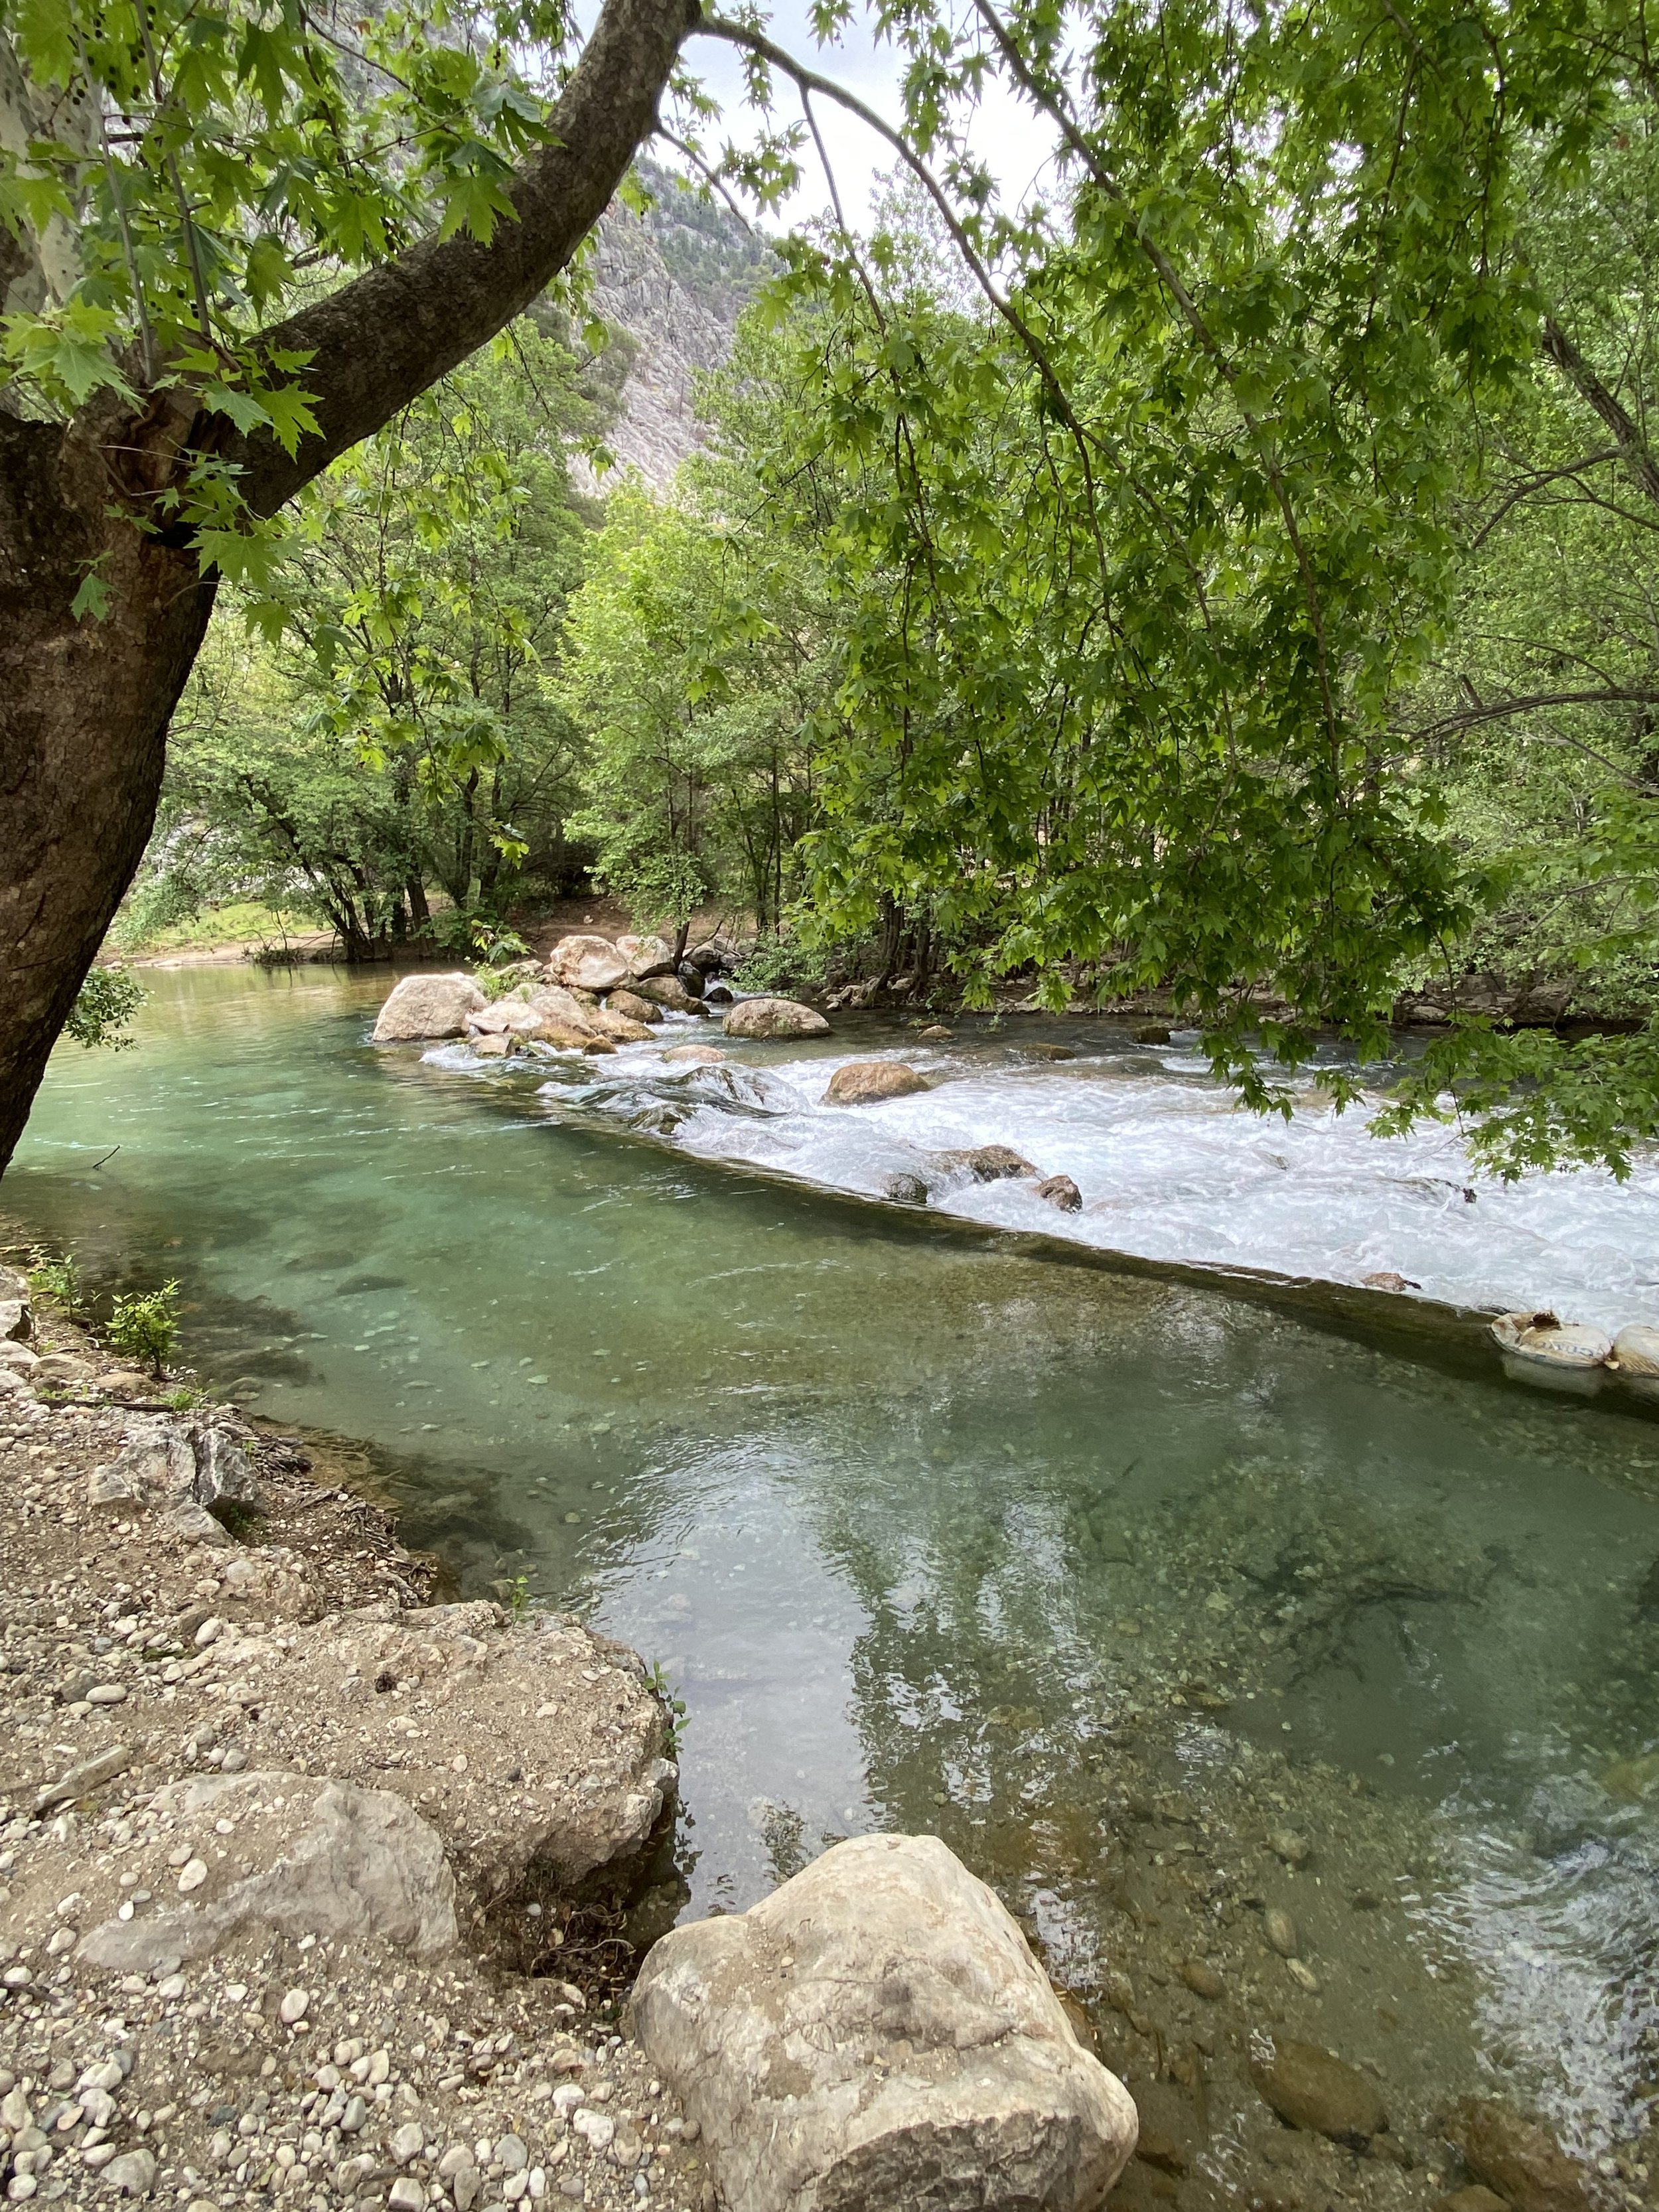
[
  {"x": 1152, "y": 576},
  {"x": 376, "y": 720}
]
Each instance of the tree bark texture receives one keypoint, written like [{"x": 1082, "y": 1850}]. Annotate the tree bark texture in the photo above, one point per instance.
[{"x": 85, "y": 703}]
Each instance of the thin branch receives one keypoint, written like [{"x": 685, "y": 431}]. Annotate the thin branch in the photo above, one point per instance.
[
  {"x": 1499, "y": 709},
  {"x": 1536, "y": 483},
  {"x": 1058, "y": 111},
  {"x": 712, "y": 177},
  {"x": 808, "y": 79}
]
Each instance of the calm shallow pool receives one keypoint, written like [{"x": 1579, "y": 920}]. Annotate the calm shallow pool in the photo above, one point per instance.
[{"x": 1106, "y": 1581}]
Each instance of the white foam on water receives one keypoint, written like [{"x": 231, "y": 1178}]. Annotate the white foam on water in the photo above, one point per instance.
[{"x": 1170, "y": 1168}]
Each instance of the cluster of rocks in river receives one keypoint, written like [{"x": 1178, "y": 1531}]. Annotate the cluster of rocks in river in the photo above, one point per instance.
[
  {"x": 591, "y": 995},
  {"x": 594, "y": 994}
]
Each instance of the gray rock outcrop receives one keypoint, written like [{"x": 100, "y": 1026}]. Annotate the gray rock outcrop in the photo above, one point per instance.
[
  {"x": 327, "y": 1859},
  {"x": 877, "y": 2032},
  {"x": 424, "y": 1007}
]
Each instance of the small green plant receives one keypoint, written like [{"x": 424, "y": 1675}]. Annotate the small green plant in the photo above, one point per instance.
[
  {"x": 145, "y": 1326},
  {"x": 515, "y": 1595},
  {"x": 663, "y": 1690},
  {"x": 104, "y": 1009},
  {"x": 57, "y": 1278},
  {"x": 497, "y": 947},
  {"x": 183, "y": 1400}
]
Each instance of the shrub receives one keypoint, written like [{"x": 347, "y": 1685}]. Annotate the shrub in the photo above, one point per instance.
[{"x": 146, "y": 1326}]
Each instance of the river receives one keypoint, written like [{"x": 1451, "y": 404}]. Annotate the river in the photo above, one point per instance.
[{"x": 1111, "y": 1581}]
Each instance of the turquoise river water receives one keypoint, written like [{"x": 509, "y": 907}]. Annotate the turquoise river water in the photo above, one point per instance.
[{"x": 1108, "y": 1580}]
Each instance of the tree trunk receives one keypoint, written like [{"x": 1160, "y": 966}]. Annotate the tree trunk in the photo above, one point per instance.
[
  {"x": 85, "y": 701},
  {"x": 84, "y": 708}
]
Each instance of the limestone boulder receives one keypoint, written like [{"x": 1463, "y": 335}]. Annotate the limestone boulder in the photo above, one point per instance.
[
  {"x": 422, "y": 1006},
  {"x": 636, "y": 1008},
  {"x": 529, "y": 1745},
  {"x": 864, "y": 1082},
  {"x": 1059, "y": 1190},
  {"x": 646, "y": 956},
  {"x": 508, "y": 1018},
  {"x": 774, "y": 1017},
  {"x": 313, "y": 1858},
  {"x": 877, "y": 2032},
  {"x": 560, "y": 1007},
  {"x": 668, "y": 991},
  {"x": 620, "y": 1027},
  {"x": 587, "y": 964}
]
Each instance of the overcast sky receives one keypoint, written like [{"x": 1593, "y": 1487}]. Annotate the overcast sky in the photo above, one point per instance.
[{"x": 1012, "y": 142}]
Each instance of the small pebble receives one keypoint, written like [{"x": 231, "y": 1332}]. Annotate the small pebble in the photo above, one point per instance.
[
  {"x": 294, "y": 2005},
  {"x": 1281, "y": 1932}
]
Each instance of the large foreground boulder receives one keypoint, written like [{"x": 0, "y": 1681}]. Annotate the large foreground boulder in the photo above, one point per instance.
[
  {"x": 586, "y": 964},
  {"x": 422, "y": 1006},
  {"x": 774, "y": 1017},
  {"x": 877, "y": 2032},
  {"x": 311, "y": 1857},
  {"x": 863, "y": 1082}
]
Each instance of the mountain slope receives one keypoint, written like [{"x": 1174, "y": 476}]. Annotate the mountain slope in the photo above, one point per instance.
[{"x": 676, "y": 280}]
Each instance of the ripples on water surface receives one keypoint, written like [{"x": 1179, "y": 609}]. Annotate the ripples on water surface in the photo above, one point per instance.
[{"x": 1104, "y": 1579}]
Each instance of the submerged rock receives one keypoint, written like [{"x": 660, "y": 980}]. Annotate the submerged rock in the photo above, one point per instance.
[
  {"x": 590, "y": 963},
  {"x": 1516, "y": 2156},
  {"x": 936, "y": 1033},
  {"x": 774, "y": 1017},
  {"x": 905, "y": 1189},
  {"x": 877, "y": 2032},
  {"x": 1281, "y": 1932},
  {"x": 988, "y": 1162},
  {"x": 1059, "y": 1190},
  {"x": 862, "y": 1082},
  {"x": 1315, "y": 2090},
  {"x": 422, "y": 1006},
  {"x": 693, "y": 1055}
]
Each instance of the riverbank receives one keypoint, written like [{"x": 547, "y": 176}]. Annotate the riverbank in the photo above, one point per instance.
[{"x": 277, "y": 1837}]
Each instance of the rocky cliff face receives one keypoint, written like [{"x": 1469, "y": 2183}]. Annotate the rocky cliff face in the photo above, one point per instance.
[{"x": 676, "y": 280}]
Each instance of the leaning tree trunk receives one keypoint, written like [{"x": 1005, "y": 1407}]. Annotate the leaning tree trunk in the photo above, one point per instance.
[
  {"x": 84, "y": 708},
  {"x": 85, "y": 701}
]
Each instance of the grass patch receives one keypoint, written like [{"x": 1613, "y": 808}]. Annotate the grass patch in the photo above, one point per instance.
[{"x": 243, "y": 922}]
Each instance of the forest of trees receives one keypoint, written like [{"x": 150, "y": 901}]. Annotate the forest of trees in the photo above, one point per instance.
[{"x": 1234, "y": 575}]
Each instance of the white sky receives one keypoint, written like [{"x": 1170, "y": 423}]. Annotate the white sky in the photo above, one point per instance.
[{"x": 1014, "y": 144}]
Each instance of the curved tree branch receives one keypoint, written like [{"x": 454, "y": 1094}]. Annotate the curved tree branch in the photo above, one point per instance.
[{"x": 383, "y": 338}]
